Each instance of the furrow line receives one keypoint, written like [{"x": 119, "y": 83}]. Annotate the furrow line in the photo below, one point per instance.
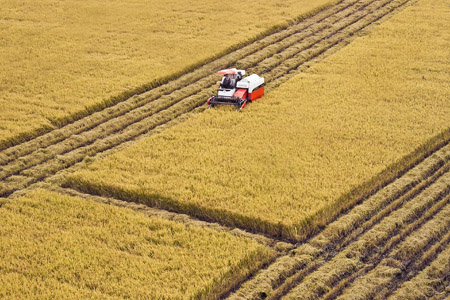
[
  {"x": 391, "y": 265},
  {"x": 433, "y": 282},
  {"x": 394, "y": 205},
  {"x": 427, "y": 258},
  {"x": 198, "y": 98}
]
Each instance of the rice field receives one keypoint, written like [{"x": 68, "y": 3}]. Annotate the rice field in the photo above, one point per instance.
[
  {"x": 287, "y": 163},
  {"x": 335, "y": 185},
  {"x": 61, "y": 60},
  {"x": 53, "y": 245}
]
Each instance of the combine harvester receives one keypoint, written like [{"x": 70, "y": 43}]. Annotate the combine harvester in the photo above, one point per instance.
[{"x": 237, "y": 91}]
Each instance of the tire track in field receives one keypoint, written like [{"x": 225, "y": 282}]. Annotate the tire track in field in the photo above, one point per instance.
[
  {"x": 299, "y": 44},
  {"x": 360, "y": 240}
]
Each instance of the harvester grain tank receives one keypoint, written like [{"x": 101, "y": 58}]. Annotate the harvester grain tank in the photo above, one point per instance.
[{"x": 236, "y": 90}]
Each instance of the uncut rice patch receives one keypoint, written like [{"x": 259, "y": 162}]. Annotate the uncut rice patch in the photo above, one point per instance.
[
  {"x": 56, "y": 246},
  {"x": 60, "y": 58},
  {"x": 290, "y": 155}
]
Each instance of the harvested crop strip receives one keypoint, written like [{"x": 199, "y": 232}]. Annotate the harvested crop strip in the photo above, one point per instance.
[
  {"x": 388, "y": 273},
  {"x": 364, "y": 253},
  {"x": 57, "y": 246},
  {"x": 62, "y": 59},
  {"x": 290, "y": 156},
  {"x": 433, "y": 280}
]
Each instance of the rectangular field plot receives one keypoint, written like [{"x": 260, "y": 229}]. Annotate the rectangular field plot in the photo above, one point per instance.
[
  {"x": 54, "y": 246},
  {"x": 288, "y": 162},
  {"x": 59, "y": 59}
]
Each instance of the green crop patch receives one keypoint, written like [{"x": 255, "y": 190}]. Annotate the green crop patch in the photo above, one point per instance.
[
  {"x": 56, "y": 246},
  {"x": 291, "y": 161}
]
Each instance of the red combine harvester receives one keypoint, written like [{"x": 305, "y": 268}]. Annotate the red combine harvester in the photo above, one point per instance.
[{"x": 237, "y": 91}]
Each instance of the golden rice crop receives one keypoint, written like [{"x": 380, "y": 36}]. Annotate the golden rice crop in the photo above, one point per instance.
[
  {"x": 62, "y": 58},
  {"x": 291, "y": 155},
  {"x": 56, "y": 246}
]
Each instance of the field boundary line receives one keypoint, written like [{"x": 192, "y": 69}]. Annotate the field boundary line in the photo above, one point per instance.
[{"x": 277, "y": 245}]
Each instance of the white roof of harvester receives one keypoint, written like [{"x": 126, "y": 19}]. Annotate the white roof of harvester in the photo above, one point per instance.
[{"x": 250, "y": 82}]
